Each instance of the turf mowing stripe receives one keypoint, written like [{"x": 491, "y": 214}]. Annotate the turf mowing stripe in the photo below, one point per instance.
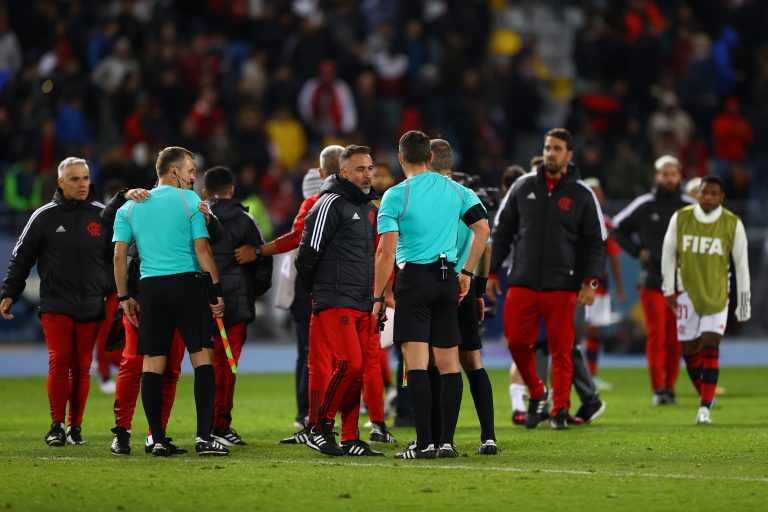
[{"x": 417, "y": 465}]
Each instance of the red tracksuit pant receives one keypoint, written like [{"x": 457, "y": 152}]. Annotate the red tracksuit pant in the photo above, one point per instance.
[
  {"x": 319, "y": 366},
  {"x": 70, "y": 352},
  {"x": 348, "y": 336},
  {"x": 523, "y": 311},
  {"x": 106, "y": 359},
  {"x": 373, "y": 380},
  {"x": 129, "y": 377},
  {"x": 661, "y": 348},
  {"x": 225, "y": 379}
]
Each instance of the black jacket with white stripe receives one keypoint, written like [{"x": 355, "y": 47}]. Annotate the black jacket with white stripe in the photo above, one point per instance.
[
  {"x": 558, "y": 238},
  {"x": 335, "y": 259},
  {"x": 242, "y": 284},
  {"x": 66, "y": 240},
  {"x": 643, "y": 224}
]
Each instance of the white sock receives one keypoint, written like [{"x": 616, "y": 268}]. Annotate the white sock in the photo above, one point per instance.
[
  {"x": 150, "y": 440},
  {"x": 516, "y": 392}
]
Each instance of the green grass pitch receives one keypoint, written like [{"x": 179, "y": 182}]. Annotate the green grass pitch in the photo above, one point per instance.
[{"x": 635, "y": 457}]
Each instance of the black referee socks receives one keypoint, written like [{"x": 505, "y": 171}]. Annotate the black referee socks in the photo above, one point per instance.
[
  {"x": 421, "y": 400},
  {"x": 435, "y": 383},
  {"x": 152, "y": 398},
  {"x": 482, "y": 394},
  {"x": 205, "y": 391},
  {"x": 450, "y": 403}
]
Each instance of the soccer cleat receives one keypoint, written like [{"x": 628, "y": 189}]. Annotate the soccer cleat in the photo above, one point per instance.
[
  {"x": 74, "y": 435},
  {"x": 359, "y": 448},
  {"x": 447, "y": 451},
  {"x": 380, "y": 434},
  {"x": 488, "y": 448},
  {"x": 121, "y": 444},
  {"x": 56, "y": 436},
  {"x": 588, "y": 412},
  {"x": 560, "y": 420},
  {"x": 172, "y": 448},
  {"x": 537, "y": 411},
  {"x": 160, "y": 450},
  {"x": 413, "y": 452},
  {"x": 325, "y": 443},
  {"x": 518, "y": 417},
  {"x": 299, "y": 437},
  {"x": 107, "y": 386},
  {"x": 227, "y": 436},
  {"x": 671, "y": 398},
  {"x": 660, "y": 397},
  {"x": 210, "y": 448},
  {"x": 703, "y": 417}
]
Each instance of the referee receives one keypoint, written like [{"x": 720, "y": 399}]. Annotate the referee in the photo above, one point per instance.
[
  {"x": 418, "y": 232},
  {"x": 172, "y": 239}
]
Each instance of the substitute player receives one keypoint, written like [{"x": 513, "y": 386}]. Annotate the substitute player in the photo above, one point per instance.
[{"x": 701, "y": 239}]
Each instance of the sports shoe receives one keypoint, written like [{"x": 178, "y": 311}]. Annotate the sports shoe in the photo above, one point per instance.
[
  {"x": 172, "y": 448},
  {"x": 703, "y": 417},
  {"x": 210, "y": 448},
  {"x": 160, "y": 450},
  {"x": 601, "y": 385},
  {"x": 121, "y": 444},
  {"x": 537, "y": 411},
  {"x": 56, "y": 436},
  {"x": 107, "y": 386},
  {"x": 488, "y": 448},
  {"x": 660, "y": 397},
  {"x": 447, "y": 451},
  {"x": 671, "y": 398},
  {"x": 560, "y": 420},
  {"x": 299, "y": 437},
  {"x": 518, "y": 417},
  {"x": 227, "y": 436},
  {"x": 380, "y": 434},
  {"x": 588, "y": 412},
  {"x": 74, "y": 435},
  {"x": 413, "y": 452},
  {"x": 359, "y": 448},
  {"x": 325, "y": 443}
]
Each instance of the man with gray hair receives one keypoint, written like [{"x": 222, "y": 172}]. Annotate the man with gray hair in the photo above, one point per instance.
[
  {"x": 639, "y": 229},
  {"x": 65, "y": 239}
]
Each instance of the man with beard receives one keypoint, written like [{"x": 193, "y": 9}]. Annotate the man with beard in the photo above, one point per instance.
[
  {"x": 639, "y": 229},
  {"x": 557, "y": 228}
]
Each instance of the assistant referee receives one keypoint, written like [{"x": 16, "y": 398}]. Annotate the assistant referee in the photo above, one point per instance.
[
  {"x": 172, "y": 239},
  {"x": 418, "y": 223}
]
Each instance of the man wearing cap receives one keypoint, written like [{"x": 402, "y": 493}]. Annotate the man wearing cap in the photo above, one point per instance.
[{"x": 639, "y": 229}]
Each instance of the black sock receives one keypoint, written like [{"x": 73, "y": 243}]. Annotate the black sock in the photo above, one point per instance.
[
  {"x": 152, "y": 398},
  {"x": 482, "y": 394},
  {"x": 435, "y": 383},
  {"x": 421, "y": 401},
  {"x": 450, "y": 404},
  {"x": 205, "y": 390}
]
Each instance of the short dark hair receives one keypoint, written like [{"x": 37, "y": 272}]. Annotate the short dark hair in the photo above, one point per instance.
[
  {"x": 217, "y": 179},
  {"x": 350, "y": 151},
  {"x": 442, "y": 156},
  {"x": 510, "y": 176},
  {"x": 562, "y": 134},
  {"x": 715, "y": 180},
  {"x": 169, "y": 156},
  {"x": 414, "y": 146},
  {"x": 537, "y": 161}
]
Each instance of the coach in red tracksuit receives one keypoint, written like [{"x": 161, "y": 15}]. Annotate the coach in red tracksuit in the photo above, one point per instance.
[
  {"x": 639, "y": 229},
  {"x": 556, "y": 226},
  {"x": 65, "y": 239},
  {"x": 335, "y": 261},
  {"x": 242, "y": 284}
]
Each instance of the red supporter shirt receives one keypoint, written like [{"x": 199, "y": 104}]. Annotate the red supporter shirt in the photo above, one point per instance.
[{"x": 292, "y": 239}]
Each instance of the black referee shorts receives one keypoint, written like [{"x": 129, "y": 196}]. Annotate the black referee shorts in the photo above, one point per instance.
[
  {"x": 425, "y": 310},
  {"x": 172, "y": 302},
  {"x": 468, "y": 321}
]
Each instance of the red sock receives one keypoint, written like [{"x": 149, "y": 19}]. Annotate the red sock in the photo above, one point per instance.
[
  {"x": 709, "y": 375},
  {"x": 592, "y": 346},
  {"x": 693, "y": 364}
]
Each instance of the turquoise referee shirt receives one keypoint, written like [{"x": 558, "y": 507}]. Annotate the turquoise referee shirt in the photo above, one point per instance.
[
  {"x": 165, "y": 228},
  {"x": 425, "y": 210}
]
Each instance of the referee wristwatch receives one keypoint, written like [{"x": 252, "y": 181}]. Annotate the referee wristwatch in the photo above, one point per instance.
[
  {"x": 467, "y": 273},
  {"x": 593, "y": 283},
  {"x": 123, "y": 298},
  {"x": 258, "y": 253}
]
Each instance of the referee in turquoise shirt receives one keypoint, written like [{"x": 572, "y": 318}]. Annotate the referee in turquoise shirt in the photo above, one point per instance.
[
  {"x": 418, "y": 223},
  {"x": 172, "y": 239}
]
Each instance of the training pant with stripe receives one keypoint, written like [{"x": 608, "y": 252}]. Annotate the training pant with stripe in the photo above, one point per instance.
[
  {"x": 70, "y": 352},
  {"x": 661, "y": 348},
  {"x": 129, "y": 377},
  {"x": 348, "y": 335},
  {"x": 523, "y": 310},
  {"x": 225, "y": 379}
]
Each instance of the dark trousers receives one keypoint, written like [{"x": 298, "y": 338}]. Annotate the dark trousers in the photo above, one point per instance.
[{"x": 302, "y": 372}]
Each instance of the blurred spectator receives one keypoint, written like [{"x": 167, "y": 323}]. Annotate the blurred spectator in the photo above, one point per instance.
[
  {"x": 627, "y": 175},
  {"x": 22, "y": 187},
  {"x": 287, "y": 137},
  {"x": 731, "y": 133},
  {"x": 669, "y": 128},
  {"x": 326, "y": 104},
  {"x": 10, "y": 50}
]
